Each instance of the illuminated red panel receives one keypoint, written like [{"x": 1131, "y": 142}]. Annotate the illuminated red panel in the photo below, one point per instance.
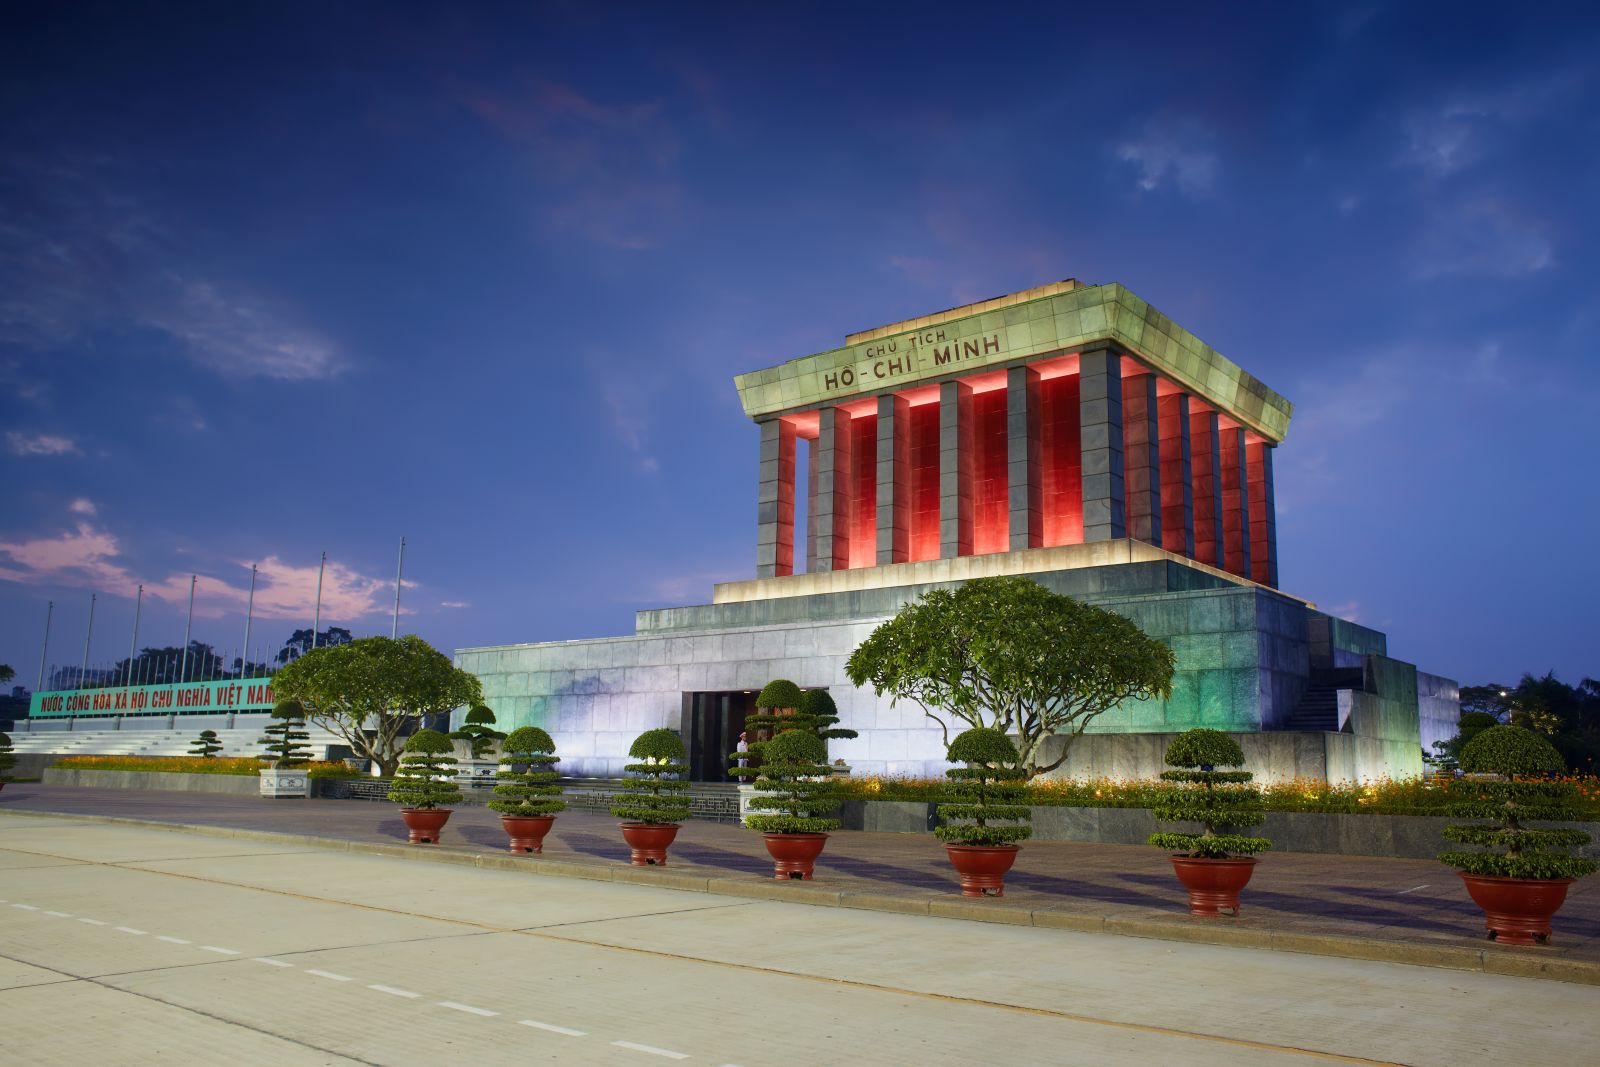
[
  {"x": 925, "y": 480},
  {"x": 1207, "y": 483},
  {"x": 1062, "y": 456},
  {"x": 1235, "y": 558},
  {"x": 1260, "y": 536},
  {"x": 864, "y": 486},
  {"x": 991, "y": 512},
  {"x": 1177, "y": 507}
]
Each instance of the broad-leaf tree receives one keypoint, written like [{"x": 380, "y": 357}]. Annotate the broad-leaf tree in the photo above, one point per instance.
[
  {"x": 1008, "y": 654},
  {"x": 374, "y": 690}
]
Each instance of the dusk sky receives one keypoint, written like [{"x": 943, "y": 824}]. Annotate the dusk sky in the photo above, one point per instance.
[{"x": 279, "y": 279}]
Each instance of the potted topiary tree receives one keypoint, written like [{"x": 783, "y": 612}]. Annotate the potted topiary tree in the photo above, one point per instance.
[
  {"x": 287, "y": 753},
  {"x": 983, "y": 811},
  {"x": 527, "y": 798},
  {"x": 1215, "y": 863},
  {"x": 820, "y": 714},
  {"x": 795, "y": 792},
  {"x": 1521, "y": 888},
  {"x": 206, "y": 746},
  {"x": 477, "y": 730},
  {"x": 8, "y": 758},
  {"x": 653, "y": 801},
  {"x": 425, "y": 780}
]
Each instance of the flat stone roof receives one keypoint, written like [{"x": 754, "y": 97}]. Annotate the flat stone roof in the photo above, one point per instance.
[{"x": 1061, "y": 317}]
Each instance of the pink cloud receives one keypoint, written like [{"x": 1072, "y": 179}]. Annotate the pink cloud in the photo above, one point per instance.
[
  {"x": 88, "y": 557},
  {"x": 40, "y": 444}
]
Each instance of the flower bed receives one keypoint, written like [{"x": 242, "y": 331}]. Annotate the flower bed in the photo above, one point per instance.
[
  {"x": 1411, "y": 796},
  {"x": 242, "y": 765}
]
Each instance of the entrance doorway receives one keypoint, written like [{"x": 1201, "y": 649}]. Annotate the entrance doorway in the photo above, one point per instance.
[{"x": 711, "y": 726}]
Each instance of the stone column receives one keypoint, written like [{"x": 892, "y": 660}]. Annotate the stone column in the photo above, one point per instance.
[
  {"x": 1142, "y": 458},
  {"x": 1235, "y": 504},
  {"x": 1100, "y": 438},
  {"x": 811, "y": 505},
  {"x": 955, "y": 470},
  {"x": 894, "y": 479},
  {"x": 1263, "y": 520},
  {"x": 775, "y": 508},
  {"x": 1206, "y": 443},
  {"x": 833, "y": 490},
  {"x": 1024, "y": 458},
  {"x": 1177, "y": 475}
]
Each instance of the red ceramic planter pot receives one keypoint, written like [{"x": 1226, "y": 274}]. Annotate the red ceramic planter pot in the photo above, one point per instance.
[
  {"x": 1213, "y": 884},
  {"x": 793, "y": 854},
  {"x": 526, "y": 832},
  {"x": 648, "y": 842},
  {"x": 982, "y": 867},
  {"x": 1517, "y": 911},
  {"x": 425, "y": 824}
]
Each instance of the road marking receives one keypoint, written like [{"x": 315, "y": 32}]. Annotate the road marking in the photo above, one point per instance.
[
  {"x": 131, "y": 930},
  {"x": 668, "y": 1053},
  {"x": 25, "y": 907},
  {"x": 60, "y": 914},
  {"x": 92, "y": 922},
  {"x": 552, "y": 1029},
  {"x": 328, "y": 974},
  {"x": 1413, "y": 889},
  {"x": 392, "y": 991},
  {"x": 468, "y": 1008},
  {"x": 220, "y": 951},
  {"x": 271, "y": 962},
  {"x": 173, "y": 940}
]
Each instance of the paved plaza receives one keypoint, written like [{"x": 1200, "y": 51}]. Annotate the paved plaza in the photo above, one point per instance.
[
  {"x": 1402, "y": 910},
  {"x": 131, "y": 945}
]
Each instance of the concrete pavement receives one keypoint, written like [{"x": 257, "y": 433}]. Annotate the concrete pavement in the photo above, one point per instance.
[
  {"x": 1396, "y": 910},
  {"x": 130, "y": 945}
]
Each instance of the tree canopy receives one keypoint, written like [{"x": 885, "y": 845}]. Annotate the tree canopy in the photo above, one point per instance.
[
  {"x": 373, "y": 690},
  {"x": 1009, "y": 654}
]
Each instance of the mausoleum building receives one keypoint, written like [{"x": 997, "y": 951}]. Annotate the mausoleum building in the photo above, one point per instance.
[{"x": 1071, "y": 433}]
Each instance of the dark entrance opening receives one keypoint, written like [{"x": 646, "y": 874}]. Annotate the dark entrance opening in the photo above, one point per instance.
[{"x": 711, "y": 725}]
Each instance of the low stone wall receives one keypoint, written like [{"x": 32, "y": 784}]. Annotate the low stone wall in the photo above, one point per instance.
[
  {"x": 236, "y": 784},
  {"x": 1402, "y": 836}
]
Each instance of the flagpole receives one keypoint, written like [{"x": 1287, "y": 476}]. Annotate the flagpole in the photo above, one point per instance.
[
  {"x": 184, "y": 669},
  {"x": 316, "y": 620},
  {"x": 399, "y": 568},
  {"x": 133, "y": 645},
  {"x": 83, "y": 670},
  {"x": 249, "y": 610},
  {"x": 50, "y": 609}
]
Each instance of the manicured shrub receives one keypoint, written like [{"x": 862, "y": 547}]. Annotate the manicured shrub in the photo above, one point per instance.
[
  {"x": 206, "y": 746},
  {"x": 477, "y": 729},
  {"x": 1220, "y": 801},
  {"x": 780, "y": 693},
  {"x": 8, "y": 758},
  {"x": 820, "y": 715},
  {"x": 985, "y": 801},
  {"x": 426, "y": 778},
  {"x": 794, "y": 786},
  {"x": 656, "y": 792},
  {"x": 1528, "y": 852},
  {"x": 286, "y": 736},
  {"x": 534, "y": 790}
]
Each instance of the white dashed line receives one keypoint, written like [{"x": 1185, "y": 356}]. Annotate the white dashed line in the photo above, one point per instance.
[
  {"x": 270, "y": 962},
  {"x": 1413, "y": 889},
  {"x": 219, "y": 950},
  {"x": 468, "y": 1008},
  {"x": 392, "y": 991},
  {"x": 25, "y": 907},
  {"x": 93, "y": 922},
  {"x": 173, "y": 940},
  {"x": 60, "y": 914},
  {"x": 328, "y": 974},
  {"x": 652, "y": 1050},
  {"x": 552, "y": 1029},
  {"x": 131, "y": 930}
]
